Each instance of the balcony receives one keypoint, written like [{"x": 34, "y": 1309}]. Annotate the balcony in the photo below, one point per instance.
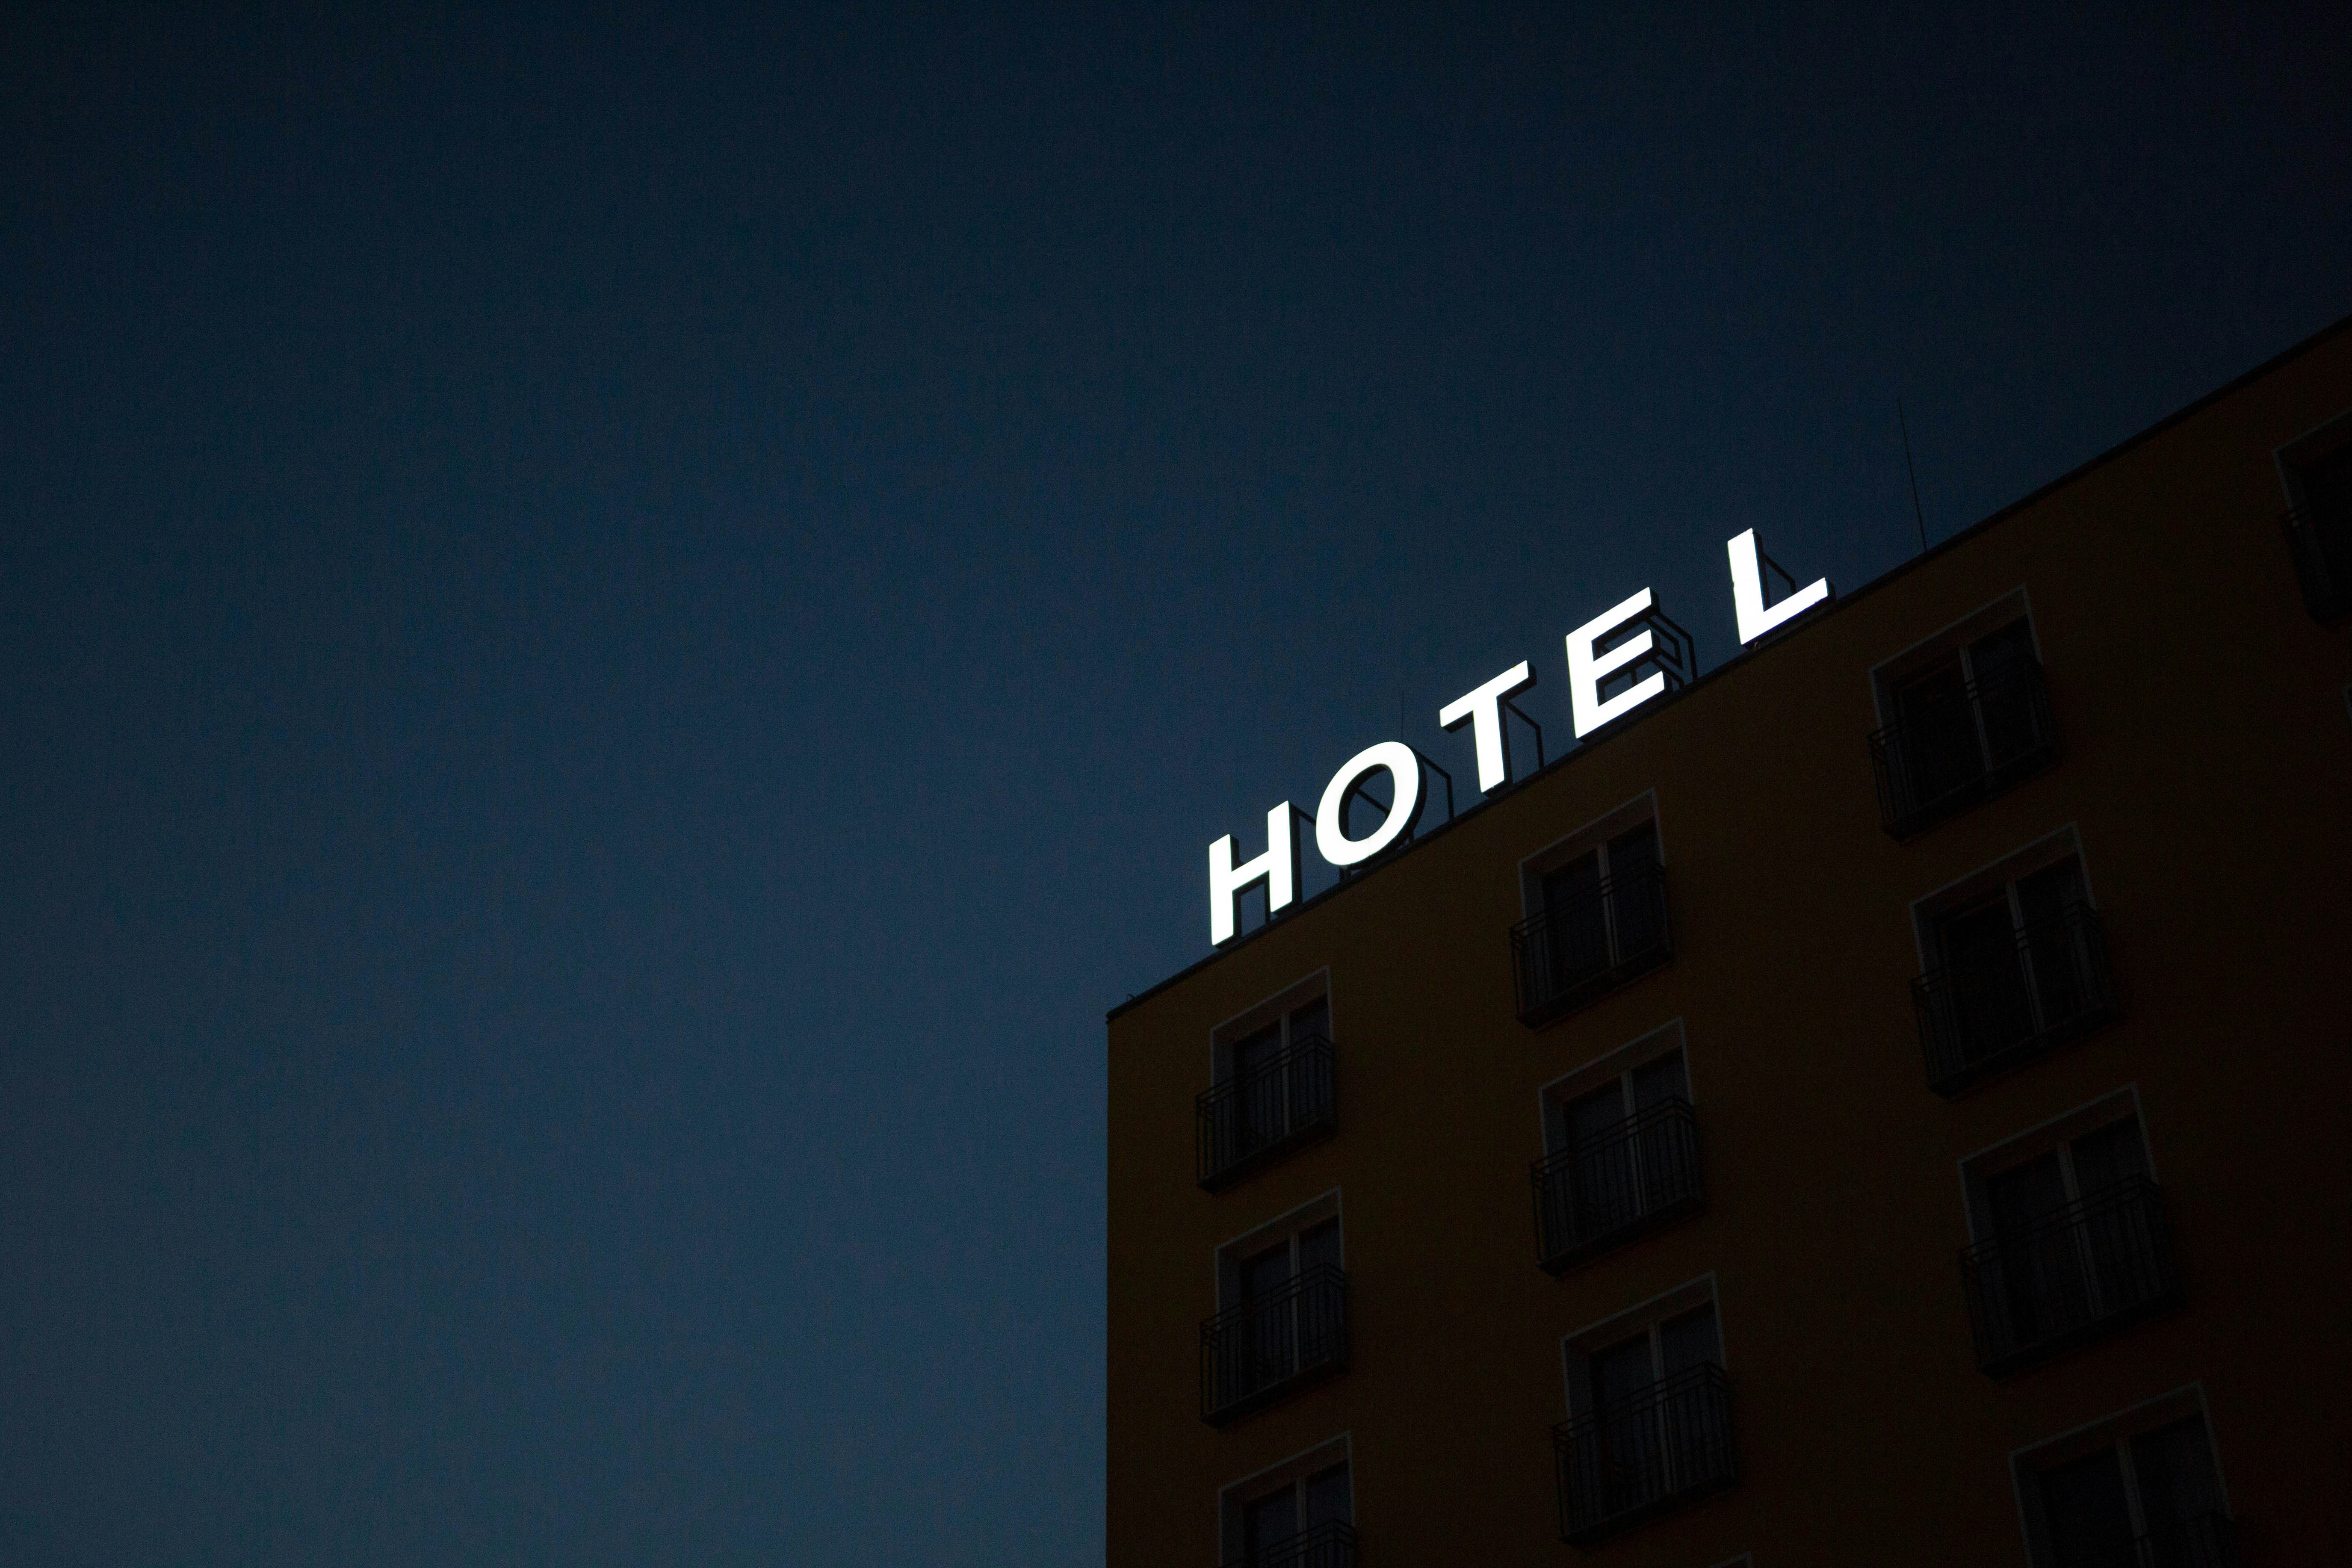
[
  {"x": 1612, "y": 1188},
  {"x": 2320, "y": 540},
  {"x": 1270, "y": 1347},
  {"x": 1255, "y": 1119},
  {"x": 1943, "y": 757},
  {"x": 1666, "y": 1447},
  {"x": 1569, "y": 957},
  {"x": 1332, "y": 1545},
  {"x": 2084, "y": 1271},
  {"x": 1994, "y": 1010}
]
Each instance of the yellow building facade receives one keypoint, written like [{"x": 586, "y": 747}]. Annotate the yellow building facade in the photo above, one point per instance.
[{"x": 1883, "y": 1101}]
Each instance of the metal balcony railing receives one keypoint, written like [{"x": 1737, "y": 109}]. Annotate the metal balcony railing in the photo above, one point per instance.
[
  {"x": 1612, "y": 1187},
  {"x": 1943, "y": 757},
  {"x": 1259, "y": 1116},
  {"x": 1664, "y": 1447},
  {"x": 1266, "y": 1348},
  {"x": 1986, "y": 1013},
  {"x": 1567, "y": 957},
  {"x": 1330, "y": 1545},
  {"x": 2320, "y": 541},
  {"x": 2082, "y": 1271},
  {"x": 2208, "y": 1541}
]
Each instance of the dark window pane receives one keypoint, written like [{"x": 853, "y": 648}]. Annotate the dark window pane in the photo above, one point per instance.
[
  {"x": 1266, "y": 1272},
  {"x": 1575, "y": 931},
  {"x": 2046, "y": 895},
  {"x": 1690, "y": 1341},
  {"x": 1659, "y": 1081},
  {"x": 1936, "y": 742},
  {"x": 2328, "y": 486},
  {"x": 1633, "y": 849},
  {"x": 2054, "y": 944},
  {"x": 2036, "y": 1270},
  {"x": 2109, "y": 1155},
  {"x": 1601, "y": 1190},
  {"x": 2174, "y": 1467},
  {"x": 1328, "y": 1499},
  {"x": 1622, "y": 1371},
  {"x": 1319, "y": 1245},
  {"x": 1270, "y": 1522},
  {"x": 2000, "y": 654},
  {"x": 2084, "y": 1503},
  {"x": 1313, "y": 1020},
  {"x": 1257, "y": 1103},
  {"x": 2024, "y": 1195},
  {"x": 1985, "y": 995}
]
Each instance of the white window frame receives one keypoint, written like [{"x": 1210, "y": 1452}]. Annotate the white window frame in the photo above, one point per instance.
[
  {"x": 1955, "y": 636},
  {"x": 1576, "y": 1348},
  {"x": 1595, "y": 835},
  {"x": 1292, "y": 1471},
  {"x": 1553, "y": 1100},
  {"x": 2060, "y": 844},
  {"x": 2026, "y": 1465},
  {"x": 1289, "y": 1226},
  {"x": 1275, "y": 1009},
  {"x": 2058, "y": 1133}
]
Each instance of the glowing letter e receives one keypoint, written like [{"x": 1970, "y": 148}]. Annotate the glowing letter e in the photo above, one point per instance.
[
  {"x": 1586, "y": 671},
  {"x": 1278, "y": 868}
]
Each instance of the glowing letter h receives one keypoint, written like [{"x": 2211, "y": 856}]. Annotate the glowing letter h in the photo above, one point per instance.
[{"x": 1278, "y": 868}]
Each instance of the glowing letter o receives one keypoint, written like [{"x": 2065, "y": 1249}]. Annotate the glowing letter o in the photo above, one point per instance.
[{"x": 1404, "y": 810}]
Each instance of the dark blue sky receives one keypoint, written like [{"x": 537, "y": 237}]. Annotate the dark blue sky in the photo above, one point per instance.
[{"x": 619, "y": 633}]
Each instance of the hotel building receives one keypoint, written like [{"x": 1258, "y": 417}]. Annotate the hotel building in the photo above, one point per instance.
[{"x": 1888, "y": 1099}]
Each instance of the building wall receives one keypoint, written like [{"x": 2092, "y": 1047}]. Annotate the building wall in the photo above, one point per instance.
[{"x": 2207, "y": 766}]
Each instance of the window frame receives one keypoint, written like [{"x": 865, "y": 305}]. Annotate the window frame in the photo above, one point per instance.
[
  {"x": 1553, "y": 1099},
  {"x": 1593, "y": 835},
  {"x": 1897, "y": 667},
  {"x": 1294, "y": 1472},
  {"x": 2058, "y": 1133},
  {"x": 1289, "y": 1226},
  {"x": 2004, "y": 872},
  {"x": 2114, "y": 1431},
  {"x": 1576, "y": 1346},
  {"x": 1276, "y": 1007}
]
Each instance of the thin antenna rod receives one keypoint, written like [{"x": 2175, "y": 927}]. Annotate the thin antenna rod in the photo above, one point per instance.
[{"x": 1914, "y": 472}]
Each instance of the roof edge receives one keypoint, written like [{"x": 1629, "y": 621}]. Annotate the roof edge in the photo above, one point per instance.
[{"x": 2120, "y": 449}]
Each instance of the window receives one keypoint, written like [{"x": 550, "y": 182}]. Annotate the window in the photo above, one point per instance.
[
  {"x": 1966, "y": 717},
  {"x": 1283, "y": 1322},
  {"x": 1649, "y": 1416},
  {"x": 2141, "y": 1491},
  {"x": 1298, "y": 1514},
  {"x": 1273, "y": 1087},
  {"x": 1622, "y": 1151},
  {"x": 2015, "y": 965},
  {"x": 2318, "y": 474},
  {"x": 1598, "y": 914},
  {"x": 2072, "y": 1240}
]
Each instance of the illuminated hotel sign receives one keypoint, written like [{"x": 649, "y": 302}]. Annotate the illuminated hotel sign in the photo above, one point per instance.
[{"x": 1611, "y": 649}]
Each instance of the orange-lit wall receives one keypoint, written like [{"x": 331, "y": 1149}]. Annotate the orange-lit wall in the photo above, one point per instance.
[{"x": 2207, "y": 765}]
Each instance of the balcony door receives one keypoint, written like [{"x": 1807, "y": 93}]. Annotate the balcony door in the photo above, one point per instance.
[
  {"x": 2013, "y": 961},
  {"x": 2065, "y": 1257},
  {"x": 1272, "y": 1088},
  {"x": 1286, "y": 1328},
  {"x": 1289, "y": 1527},
  {"x": 1601, "y": 908},
  {"x": 1649, "y": 1444},
  {"x": 1621, "y": 1168},
  {"x": 1965, "y": 714}
]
